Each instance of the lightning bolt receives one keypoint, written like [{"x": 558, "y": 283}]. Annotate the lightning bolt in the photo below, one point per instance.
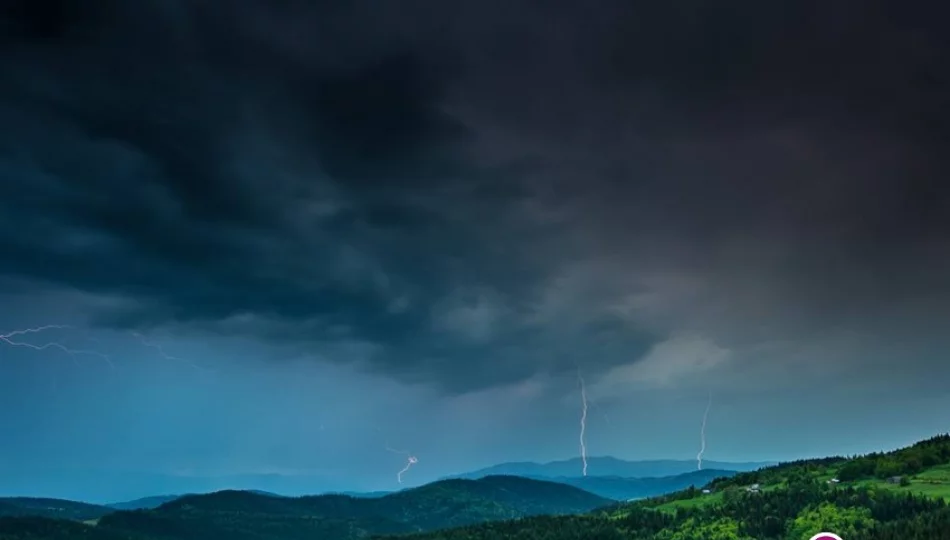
[
  {"x": 161, "y": 351},
  {"x": 583, "y": 433},
  {"x": 7, "y": 338},
  {"x": 410, "y": 461},
  {"x": 702, "y": 436}
]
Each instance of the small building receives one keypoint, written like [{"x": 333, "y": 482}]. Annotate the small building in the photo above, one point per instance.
[
  {"x": 894, "y": 480},
  {"x": 754, "y": 488},
  {"x": 834, "y": 481},
  {"x": 707, "y": 491}
]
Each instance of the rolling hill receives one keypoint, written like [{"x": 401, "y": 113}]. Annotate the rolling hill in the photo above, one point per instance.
[
  {"x": 39, "y": 528},
  {"x": 51, "y": 508},
  {"x": 625, "y": 489},
  {"x": 882, "y": 496},
  {"x": 148, "y": 503},
  {"x": 607, "y": 466},
  {"x": 243, "y": 515}
]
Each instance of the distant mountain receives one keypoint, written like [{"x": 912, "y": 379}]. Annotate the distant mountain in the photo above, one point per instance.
[
  {"x": 626, "y": 489},
  {"x": 608, "y": 466},
  {"x": 106, "y": 487},
  {"x": 361, "y": 494},
  {"x": 148, "y": 503},
  {"x": 442, "y": 504},
  {"x": 145, "y": 503},
  {"x": 51, "y": 508}
]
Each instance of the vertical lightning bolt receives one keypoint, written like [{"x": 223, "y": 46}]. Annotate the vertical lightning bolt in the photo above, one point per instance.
[
  {"x": 8, "y": 339},
  {"x": 583, "y": 431},
  {"x": 410, "y": 461},
  {"x": 702, "y": 436}
]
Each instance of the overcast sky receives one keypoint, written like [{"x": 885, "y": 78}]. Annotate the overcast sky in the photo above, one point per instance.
[{"x": 302, "y": 234}]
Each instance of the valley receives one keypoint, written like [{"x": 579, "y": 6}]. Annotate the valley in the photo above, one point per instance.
[{"x": 870, "y": 497}]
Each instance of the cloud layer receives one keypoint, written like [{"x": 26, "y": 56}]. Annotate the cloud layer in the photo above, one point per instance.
[{"x": 473, "y": 195}]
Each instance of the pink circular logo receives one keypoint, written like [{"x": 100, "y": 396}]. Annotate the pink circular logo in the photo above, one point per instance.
[{"x": 825, "y": 536}]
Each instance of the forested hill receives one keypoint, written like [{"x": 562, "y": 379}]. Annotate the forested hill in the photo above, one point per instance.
[
  {"x": 882, "y": 496},
  {"x": 494, "y": 494},
  {"x": 905, "y": 463},
  {"x": 52, "y": 508},
  {"x": 39, "y": 528},
  {"x": 242, "y": 515}
]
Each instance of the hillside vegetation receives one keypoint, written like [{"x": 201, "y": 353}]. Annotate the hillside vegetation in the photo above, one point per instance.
[
  {"x": 39, "y": 528},
  {"x": 881, "y": 496}
]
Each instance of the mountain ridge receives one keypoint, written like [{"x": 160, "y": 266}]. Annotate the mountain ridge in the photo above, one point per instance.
[
  {"x": 624, "y": 489},
  {"x": 447, "y": 503},
  {"x": 607, "y": 466}
]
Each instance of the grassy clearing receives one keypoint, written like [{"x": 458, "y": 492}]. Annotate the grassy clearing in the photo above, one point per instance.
[
  {"x": 933, "y": 482},
  {"x": 696, "y": 502}
]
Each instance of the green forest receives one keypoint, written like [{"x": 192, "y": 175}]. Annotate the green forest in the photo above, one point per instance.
[
  {"x": 794, "y": 512},
  {"x": 881, "y": 496}
]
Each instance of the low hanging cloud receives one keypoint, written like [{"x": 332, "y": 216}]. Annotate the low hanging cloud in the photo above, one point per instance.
[
  {"x": 680, "y": 359},
  {"x": 470, "y": 201}
]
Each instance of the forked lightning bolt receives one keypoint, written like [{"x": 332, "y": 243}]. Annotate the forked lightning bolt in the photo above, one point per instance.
[
  {"x": 583, "y": 434},
  {"x": 702, "y": 436},
  {"x": 7, "y": 338},
  {"x": 10, "y": 339},
  {"x": 410, "y": 461},
  {"x": 161, "y": 351}
]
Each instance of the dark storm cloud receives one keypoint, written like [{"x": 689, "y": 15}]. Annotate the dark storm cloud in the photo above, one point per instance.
[{"x": 478, "y": 192}]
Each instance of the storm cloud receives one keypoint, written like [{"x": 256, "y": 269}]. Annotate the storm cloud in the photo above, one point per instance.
[{"x": 474, "y": 195}]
